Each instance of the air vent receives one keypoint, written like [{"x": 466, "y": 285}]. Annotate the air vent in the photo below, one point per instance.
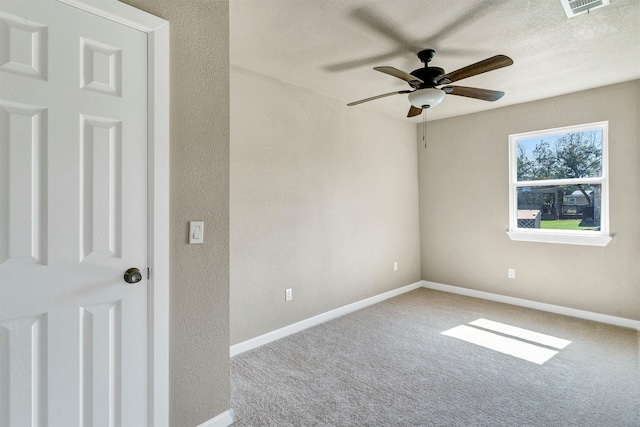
[{"x": 577, "y": 7}]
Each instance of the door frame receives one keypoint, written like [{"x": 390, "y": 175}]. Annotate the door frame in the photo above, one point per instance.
[{"x": 157, "y": 30}]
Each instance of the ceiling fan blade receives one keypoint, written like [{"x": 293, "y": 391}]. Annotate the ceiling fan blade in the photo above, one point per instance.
[
  {"x": 412, "y": 80},
  {"x": 488, "y": 64},
  {"x": 474, "y": 92},
  {"x": 414, "y": 111},
  {"x": 377, "y": 97}
]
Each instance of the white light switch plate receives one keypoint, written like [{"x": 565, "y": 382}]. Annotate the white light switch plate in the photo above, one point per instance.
[{"x": 196, "y": 232}]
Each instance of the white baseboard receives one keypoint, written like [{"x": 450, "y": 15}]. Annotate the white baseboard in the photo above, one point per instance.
[
  {"x": 224, "y": 419},
  {"x": 316, "y": 320},
  {"x": 557, "y": 309}
]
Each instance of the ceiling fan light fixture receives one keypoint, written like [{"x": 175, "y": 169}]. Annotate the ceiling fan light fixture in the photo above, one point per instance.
[{"x": 426, "y": 98}]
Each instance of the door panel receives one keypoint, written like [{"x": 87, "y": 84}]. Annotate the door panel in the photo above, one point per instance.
[
  {"x": 23, "y": 182},
  {"x": 73, "y": 334}
]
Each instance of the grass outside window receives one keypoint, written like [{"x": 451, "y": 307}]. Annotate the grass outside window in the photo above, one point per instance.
[{"x": 564, "y": 224}]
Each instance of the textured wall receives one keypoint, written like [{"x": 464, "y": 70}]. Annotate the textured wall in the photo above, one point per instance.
[
  {"x": 199, "y": 307},
  {"x": 324, "y": 198},
  {"x": 464, "y": 209}
]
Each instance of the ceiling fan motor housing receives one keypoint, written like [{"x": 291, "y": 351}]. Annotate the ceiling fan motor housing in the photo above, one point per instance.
[{"x": 429, "y": 75}]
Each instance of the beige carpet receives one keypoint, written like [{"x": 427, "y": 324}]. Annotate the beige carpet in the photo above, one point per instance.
[{"x": 390, "y": 365}]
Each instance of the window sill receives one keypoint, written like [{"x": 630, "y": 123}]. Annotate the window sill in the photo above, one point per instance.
[{"x": 565, "y": 239}]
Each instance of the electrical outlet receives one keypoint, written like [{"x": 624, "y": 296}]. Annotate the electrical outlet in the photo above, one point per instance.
[
  {"x": 511, "y": 273},
  {"x": 288, "y": 295},
  {"x": 395, "y": 266}
]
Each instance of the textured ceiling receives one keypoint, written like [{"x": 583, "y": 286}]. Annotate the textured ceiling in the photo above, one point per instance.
[{"x": 331, "y": 46}]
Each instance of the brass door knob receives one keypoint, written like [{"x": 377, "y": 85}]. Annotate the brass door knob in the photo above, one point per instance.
[{"x": 132, "y": 275}]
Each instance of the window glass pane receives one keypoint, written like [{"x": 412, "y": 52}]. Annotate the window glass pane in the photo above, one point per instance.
[
  {"x": 560, "y": 207},
  {"x": 565, "y": 155}
]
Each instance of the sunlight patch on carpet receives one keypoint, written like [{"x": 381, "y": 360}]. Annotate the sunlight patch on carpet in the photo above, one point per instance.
[
  {"x": 525, "y": 334},
  {"x": 521, "y": 343}
]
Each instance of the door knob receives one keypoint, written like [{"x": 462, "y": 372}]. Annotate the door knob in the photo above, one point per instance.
[{"x": 132, "y": 275}]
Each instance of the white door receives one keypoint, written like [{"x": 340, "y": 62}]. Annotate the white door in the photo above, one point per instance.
[{"x": 73, "y": 210}]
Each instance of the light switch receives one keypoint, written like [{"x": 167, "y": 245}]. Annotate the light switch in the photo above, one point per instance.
[{"x": 196, "y": 232}]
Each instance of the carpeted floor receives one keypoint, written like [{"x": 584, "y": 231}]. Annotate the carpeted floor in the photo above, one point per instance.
[{"x": 389, "y": 365}]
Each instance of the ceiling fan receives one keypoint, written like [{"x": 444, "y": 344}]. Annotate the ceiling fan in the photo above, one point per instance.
[{"x": 424, "y": 82}]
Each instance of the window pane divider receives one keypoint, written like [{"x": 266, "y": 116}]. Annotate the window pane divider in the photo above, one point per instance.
[{"x": 566, "y": 181}]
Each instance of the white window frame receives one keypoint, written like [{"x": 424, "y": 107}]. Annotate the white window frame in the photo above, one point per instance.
[{"x": 572, "y": 237}]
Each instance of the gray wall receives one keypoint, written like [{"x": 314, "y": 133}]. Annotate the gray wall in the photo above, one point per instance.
[
  {"x": 324, "y": 198},
  {"x": 464, "y": 206},
  {"x": 199, "y": 310}
]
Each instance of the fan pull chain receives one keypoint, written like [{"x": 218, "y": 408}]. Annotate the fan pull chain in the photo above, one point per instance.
[{"x": 424, "y": 127}]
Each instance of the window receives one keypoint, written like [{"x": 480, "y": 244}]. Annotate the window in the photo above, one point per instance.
[{"x": 558, "y": 191}]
